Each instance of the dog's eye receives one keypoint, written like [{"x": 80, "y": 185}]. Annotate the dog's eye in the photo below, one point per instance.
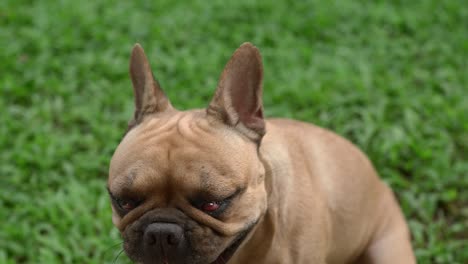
[
  {"x": 126, "y": 204},
  {"x": 213, "y": 206},
  {"x": 210, "y": 207}
]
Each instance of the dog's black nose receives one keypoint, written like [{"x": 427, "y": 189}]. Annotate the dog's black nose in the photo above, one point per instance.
[{"x": 166, "y": 238}]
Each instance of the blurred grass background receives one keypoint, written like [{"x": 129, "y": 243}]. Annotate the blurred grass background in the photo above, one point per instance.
[{"x": 389, "y": 75}]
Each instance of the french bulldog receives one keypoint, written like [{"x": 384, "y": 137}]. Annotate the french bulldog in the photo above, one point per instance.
[{"x": 225, "y": 185}]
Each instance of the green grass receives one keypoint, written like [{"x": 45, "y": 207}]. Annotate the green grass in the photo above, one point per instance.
[{"x": 390, "y": 76}]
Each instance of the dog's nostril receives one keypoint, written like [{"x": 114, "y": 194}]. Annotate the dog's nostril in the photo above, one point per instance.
[
  {"x": 165, "y": 234},
  {"x": 173, "y": 239},
  {"x": 151, "y": 239}
]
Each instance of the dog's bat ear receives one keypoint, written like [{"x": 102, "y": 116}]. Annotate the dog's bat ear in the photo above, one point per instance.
[
  {"x": 238, "y": 98},
  {"x": 149, "y": 97}
]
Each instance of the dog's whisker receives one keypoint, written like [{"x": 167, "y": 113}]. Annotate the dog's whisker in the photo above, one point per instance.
[
  {"x": 109, "y": 248},
  {"x": 118, "y": 255}
]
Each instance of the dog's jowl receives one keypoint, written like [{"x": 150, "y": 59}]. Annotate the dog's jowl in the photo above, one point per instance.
[{"x": 225, "y": 185}]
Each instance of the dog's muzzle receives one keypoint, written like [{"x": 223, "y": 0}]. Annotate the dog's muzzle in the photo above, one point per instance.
[{"x": 164, "y": 242}]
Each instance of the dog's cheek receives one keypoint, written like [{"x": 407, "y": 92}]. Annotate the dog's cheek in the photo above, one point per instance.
[
  {"x": 254, "y": 205},
  {"x": 205, "y": 244},
  {"x": 115, "y": 218},
  {"x": 259, "y": 175},
  {"x": 117, "y": 221},
  {"x": 133, "y": 242}
]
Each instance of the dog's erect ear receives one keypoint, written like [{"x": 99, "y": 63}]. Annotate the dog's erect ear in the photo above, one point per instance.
[
  {"x": 238, "y": 98},
  {"x": 149, "y": 97}
]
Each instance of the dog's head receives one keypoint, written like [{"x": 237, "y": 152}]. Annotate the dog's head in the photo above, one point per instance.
[{"x": 188, "y": 186}]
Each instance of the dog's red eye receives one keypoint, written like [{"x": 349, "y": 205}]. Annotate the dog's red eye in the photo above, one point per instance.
[
  {"x": 126, "y": 205},
  {"x": 210, "y": 207}
]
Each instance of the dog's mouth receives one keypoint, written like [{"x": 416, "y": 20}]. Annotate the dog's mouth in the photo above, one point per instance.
[
  {"x": 132, "y": 246},
  {"x": 229, "y": 251}
]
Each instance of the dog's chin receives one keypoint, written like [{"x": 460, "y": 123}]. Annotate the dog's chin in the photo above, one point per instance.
[
  {"x": 225, "y": 256},
  {"x": 136, "y": 251}
]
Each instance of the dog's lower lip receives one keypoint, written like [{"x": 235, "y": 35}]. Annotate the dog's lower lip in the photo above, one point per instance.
[{"x": 226, "y": 255}]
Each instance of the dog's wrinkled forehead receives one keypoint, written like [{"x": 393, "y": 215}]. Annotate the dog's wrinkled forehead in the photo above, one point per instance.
[{"x": 177, "y": 145}]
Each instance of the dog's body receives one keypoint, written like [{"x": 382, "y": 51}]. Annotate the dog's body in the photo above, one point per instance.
[
  {"x": 326, "y": 204},
  {"x": 226, "y": 185}
]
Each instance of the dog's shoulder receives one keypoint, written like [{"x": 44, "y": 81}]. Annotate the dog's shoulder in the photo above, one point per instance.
[{"x": 319, "y": 147}]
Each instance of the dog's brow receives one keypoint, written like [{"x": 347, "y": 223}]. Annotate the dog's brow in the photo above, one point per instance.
[{"x": 130, "y": 179}]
